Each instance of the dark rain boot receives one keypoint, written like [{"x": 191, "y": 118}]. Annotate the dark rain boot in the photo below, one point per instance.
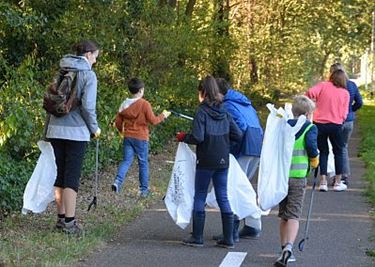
[
  {"x": 236, "y": 236},
  {"x": 196, "y": 238},
  {"x": 228, "y": 221},
  {"x": 236, "y": 225},
  {"x": 249, "y": 232}
]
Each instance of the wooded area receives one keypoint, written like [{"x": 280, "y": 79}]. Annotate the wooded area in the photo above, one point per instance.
[{"x": 267, "y": 48}]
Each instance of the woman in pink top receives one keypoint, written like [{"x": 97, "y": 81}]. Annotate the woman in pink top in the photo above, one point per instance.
[{"x": 332, "y": 100}]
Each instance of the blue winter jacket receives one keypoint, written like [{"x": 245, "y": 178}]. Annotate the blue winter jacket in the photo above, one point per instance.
[
  {"x": 355, "y": 101},
  {"x": 246, "y": 118}
]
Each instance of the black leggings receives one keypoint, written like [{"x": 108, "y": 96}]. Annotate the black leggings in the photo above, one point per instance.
[{"x": 69, "y": 159}]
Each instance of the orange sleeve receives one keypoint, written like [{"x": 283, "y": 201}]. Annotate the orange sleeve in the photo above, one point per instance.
[
  {"x": 119, "y": 122},
  {"x": 150, "y": 116}
]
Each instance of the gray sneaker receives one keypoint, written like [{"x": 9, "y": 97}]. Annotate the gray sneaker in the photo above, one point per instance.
[
  {"x": 60, "y": 224},
  {"x": 72, "y": 228}
]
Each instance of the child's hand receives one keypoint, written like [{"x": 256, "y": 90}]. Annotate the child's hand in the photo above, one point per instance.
[
  {"x": 166, "y": 113},
  {"x": 314, "y": 162}
]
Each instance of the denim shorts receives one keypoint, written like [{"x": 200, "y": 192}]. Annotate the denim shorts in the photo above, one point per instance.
[{"x": 291, "y": 206}]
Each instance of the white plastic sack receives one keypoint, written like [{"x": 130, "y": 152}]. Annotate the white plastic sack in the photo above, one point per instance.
[
  {"x": 39, "y": 189},
  {"x": 331, "y": 171},
  {"x": 241, "y": 195},
  {"x": 179, "y": 199},
  {"x": 276, "y": 156}
]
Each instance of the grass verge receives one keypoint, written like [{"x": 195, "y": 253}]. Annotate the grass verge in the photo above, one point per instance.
[
  {"x": 367, "y": 153},
  {"x": 30, "y": 240}
]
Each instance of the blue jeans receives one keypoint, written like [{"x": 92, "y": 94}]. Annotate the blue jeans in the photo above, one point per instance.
[
  {"x": 347, "y": 129},
  {"x": 219, "y": 180},
  {"x": 334, "y": 133},
  {"x": 134, "y": 147}
]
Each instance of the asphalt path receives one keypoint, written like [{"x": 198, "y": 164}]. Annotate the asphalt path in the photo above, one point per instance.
[{"x": 340, "y": 228}]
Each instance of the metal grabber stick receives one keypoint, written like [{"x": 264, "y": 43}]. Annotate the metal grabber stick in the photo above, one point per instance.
[
  {"x": 181, "y": 115},
  {"x": 301, "y": 243},
  {"x": 94, "y": 200}
]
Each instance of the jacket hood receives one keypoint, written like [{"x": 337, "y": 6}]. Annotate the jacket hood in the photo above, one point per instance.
[
  {"x": 133, "y": 110},
  {"x": 237, "y": 97},
  {"x": 74, "y": 63},
  {"x": 215, "y": 112}
]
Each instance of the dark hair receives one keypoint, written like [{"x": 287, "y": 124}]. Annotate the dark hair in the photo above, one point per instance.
[
  {"x": 85, "y": 46},
  {"x": 338, "y": 78},
  {"x": 210, "y": 91},
  {"x": 135, "y": 85},
  {"x": 223, "y": 85},
  {"x": 336, "y": 66}
]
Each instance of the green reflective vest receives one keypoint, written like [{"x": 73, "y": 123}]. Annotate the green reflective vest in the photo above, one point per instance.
[{"x": 300, "y": 161}]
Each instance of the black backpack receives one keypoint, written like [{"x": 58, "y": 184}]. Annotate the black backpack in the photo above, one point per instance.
[{"x": 61, "y": 95}]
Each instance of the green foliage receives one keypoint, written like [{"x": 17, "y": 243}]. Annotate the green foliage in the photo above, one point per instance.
[
  {"x": 367, "y": 128},
  {"x": 269, "y": 49}
]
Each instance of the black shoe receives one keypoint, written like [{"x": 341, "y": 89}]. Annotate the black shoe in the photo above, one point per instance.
[
  {"x": 223, "y": 244},
  {"x": 249, "y": 232},
  {"x": 282, "y": 261},
  {"x": 221, "y": 236},
  {"x": 193, "y": 242}
]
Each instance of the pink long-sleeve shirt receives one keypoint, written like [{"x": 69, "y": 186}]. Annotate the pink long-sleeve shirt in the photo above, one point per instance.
[{"x": 331, "y": 103}]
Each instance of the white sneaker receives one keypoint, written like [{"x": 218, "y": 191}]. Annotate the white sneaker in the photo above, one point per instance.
[
  {"x": 323, "y": 187},
  {"x": 339, "y": 187}
]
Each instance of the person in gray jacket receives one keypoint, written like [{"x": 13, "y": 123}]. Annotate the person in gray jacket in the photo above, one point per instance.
[{"x": 70, "y": 133}]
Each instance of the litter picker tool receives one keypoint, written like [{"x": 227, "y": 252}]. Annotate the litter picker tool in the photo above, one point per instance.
[
  {"x": 181, "y": 115},
  {"x": 94, "y": 200},
  {"x": 301, "y": 243}
]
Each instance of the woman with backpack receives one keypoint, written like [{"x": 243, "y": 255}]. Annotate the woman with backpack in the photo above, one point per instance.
[
  {"x": 213, "y": 130},
  {"x": 70, "y": 133}
]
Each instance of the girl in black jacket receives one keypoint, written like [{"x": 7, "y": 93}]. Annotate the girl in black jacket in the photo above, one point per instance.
[{"x": 213, "y": 129}]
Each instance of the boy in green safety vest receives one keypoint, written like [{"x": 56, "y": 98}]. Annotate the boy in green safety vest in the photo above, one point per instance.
[{"x": 305, "y": 156}]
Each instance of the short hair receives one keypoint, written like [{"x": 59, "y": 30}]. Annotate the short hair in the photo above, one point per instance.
[
  {"x": 223, "y": 85},
  {"x": 338, "y": 78},
  {"x": 134, "y": 85},
  {"x": 302, "y": 105}
]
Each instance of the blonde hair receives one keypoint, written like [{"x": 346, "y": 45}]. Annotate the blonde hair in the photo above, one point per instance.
[{"x": 302, "y": 105}]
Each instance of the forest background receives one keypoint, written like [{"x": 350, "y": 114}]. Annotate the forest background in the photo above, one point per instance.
[{"x": 268, "y": 49}]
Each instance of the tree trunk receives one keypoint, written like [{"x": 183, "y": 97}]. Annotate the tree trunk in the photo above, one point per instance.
[
  {"x": 172, "y": 3},
  {"x": 253, "y": 70},
  {"x": 189, "y": 8},
  {"x": 323, "y": 64},
  {"x": 220, "y": 64},
  {"x": 162, "y": 3}
]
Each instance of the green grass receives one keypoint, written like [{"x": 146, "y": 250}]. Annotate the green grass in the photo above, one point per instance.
[
  {"x": 30, "y": 240},
  {"x": 366, "y": 119}
]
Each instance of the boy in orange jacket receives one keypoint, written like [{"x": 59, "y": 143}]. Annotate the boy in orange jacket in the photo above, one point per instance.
[{"x": 132, "y": 120}]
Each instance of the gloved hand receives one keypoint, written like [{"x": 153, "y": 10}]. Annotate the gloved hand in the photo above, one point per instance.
[
  {"x": 97, "y": 133},
  {"x": 314, "y": 162},
  {"x": 166, "y": 113},
  {"x": 180, "y": 136}
]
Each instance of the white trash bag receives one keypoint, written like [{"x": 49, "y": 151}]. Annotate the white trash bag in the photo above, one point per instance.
[
  {"x": 39, "y": 189},
  {"x": 241, "y": 195},
  {"x": 179, "y": 199},
  {"x": 276, "y": 156},
  {"x": 331, "y": 171}
]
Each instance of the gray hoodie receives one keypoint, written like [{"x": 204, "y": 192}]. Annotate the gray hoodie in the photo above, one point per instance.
[{"x": 79, "y": 123}]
